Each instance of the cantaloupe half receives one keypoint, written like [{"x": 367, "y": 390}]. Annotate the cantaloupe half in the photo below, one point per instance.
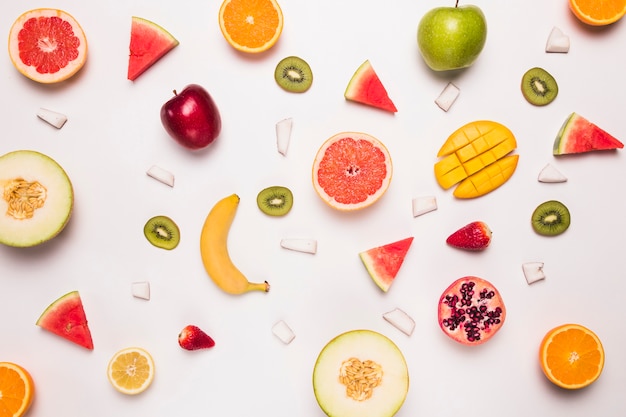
[
  {"x": 36, "y": 198},
  {"x": 360, "y": 373},
  {"x": 149, "y": 42}
]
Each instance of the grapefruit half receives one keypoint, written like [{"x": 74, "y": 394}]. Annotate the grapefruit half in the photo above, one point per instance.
[
  {"x": 351, "y": 171},
  {"x": 47, "y": 45}
]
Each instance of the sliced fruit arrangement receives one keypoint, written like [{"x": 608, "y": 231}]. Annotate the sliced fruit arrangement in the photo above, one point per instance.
[
  {"x": 36, "y": 198},
  {"x": 47, "y": 45},
  {"x": 598, "y": 13},
  {"x": 571, "y": 356},
  {"x": 66, "y": 317},
  {"x": 366, "y": 88},
  {"x": 360, "y": 373},
  {"x": 192, "y": 337},
  {"x": 162, "y": 232},
  {"x": 476, "y": 157},
  {"x": 550, "y": 218},
  {"x": 275, "y": 201},
  {"x": 251, "y": 26},
  {"x": 539, "y": 87},
  {"x": 131, "y": 370},
  {"x": 214, "y": 249},
  {"x": 293, "y": 74},
  {"x": 351, "y": 171},
  {"x": 384, "y": 262},
  {"x": 579, "y": 135},
  {"x": 471, "y": 311},
  {"x": 474, "y": 236},
  {"x": 149, "y": 42},
  {"x": 17, "y": 390}
]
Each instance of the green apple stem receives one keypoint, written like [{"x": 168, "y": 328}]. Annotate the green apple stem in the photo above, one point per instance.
[{"x": 457, "y": 3}]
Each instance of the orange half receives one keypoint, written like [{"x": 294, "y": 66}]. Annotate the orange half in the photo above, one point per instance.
[
  {"x": 251, "y": 25},
  {"x": 598, "y": 13},
  {"x": 16, "y": 390}
]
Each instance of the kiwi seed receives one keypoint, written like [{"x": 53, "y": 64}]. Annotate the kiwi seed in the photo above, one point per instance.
[
  {"x": 293, "y": 74},
  {"x": 539, "y": 87},
  {"x": 550, "y": 218},
  {"x": 275, "y": 201},
  {"x": 162, "y": 232}
]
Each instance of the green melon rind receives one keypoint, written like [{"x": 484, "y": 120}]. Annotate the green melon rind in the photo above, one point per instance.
[
  {"x": 149, "y": 42},
  {"x": 578, "y": 135},
  {"x": 366, "y": 88},
  {"x": 66, "y": 317},
  {"x": 384, "y": 262}
]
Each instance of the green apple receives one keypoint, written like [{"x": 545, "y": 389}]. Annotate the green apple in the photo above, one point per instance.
[{"x": 452, "y": 37}]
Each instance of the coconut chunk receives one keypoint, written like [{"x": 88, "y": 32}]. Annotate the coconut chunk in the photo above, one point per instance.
[
  {"x": 283, "y": 135},
  {"x": 52, "y": 117},
  {"x": 550, "y": 174},
  {"x": 557, "y": 42},
  {"x": 447, "y": 97},
  {"x": 141, "y": 290},
  {"x": 533, "y": 272},
  {"x": 400, "y": 320},
  {"x": 282, "y": 331},
  {"x": 423, "y": 205},
  {"x": 300, "y": 245},
  {"x": 161, "y": 175}
]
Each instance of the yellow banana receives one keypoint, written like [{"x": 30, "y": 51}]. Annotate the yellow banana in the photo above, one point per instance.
[{"x": 214, "y": 249}]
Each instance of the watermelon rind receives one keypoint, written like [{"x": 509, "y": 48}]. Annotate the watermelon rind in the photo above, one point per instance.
[
  {"x": 149, "y": 42},
  {"x": 384, "y": 262},
  {"x": 66, "y": 317},
  {"x": 579, "y": 135},
  {"x": 366, "y": 88}
]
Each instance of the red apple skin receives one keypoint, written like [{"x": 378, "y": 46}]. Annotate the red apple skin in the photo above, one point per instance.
[{"x": 192, "y": 118}]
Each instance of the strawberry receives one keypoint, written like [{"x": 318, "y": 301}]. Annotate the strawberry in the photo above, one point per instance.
[
  {"x": 474, "y": 236},
  {"x": 193, "y": 338}
]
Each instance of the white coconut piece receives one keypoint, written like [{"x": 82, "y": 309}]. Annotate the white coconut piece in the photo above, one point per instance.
[
  {"x": 141, "y": 290},
  {"x": 283, "y": 135},
  {"x": 447, "y": 97},
  {"x": 423, "y": 205},
  {"x": 533, "y": 272},
  {"x": 282, "y": 331},
  {"x": 52, "y": 117},
  {"x": 300, "y": 245},
  {"x": 551, "y": 175},
  {"x": 400, "y": 320},
  {"x": 161, "y": 175},
  {"x": 557, "y": 42}
]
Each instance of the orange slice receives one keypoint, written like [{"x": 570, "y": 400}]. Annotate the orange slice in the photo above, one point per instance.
[
  {"x": 131, "y": 370},
  {"x": 598, "y": 13},
  {"x": 571, "y": 356},
  {"x": 251, "y": 25},
  {"x": 47, "y": 45},
  {"x": 16, "y": 390}
]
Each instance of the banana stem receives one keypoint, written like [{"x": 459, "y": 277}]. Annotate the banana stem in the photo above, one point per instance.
[{"x": 261, "y": 286}]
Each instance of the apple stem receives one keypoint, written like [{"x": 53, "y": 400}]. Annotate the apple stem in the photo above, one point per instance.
[
  {"x": 457, "y": 3},
  {"x": 175, "y": 93}
]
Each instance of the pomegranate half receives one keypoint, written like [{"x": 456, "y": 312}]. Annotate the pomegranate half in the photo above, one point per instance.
[{"x": 471, "y": 310}]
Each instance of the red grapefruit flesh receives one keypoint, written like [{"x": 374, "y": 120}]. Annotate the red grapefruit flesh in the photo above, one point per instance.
[
  {"x": 351, "y": 171},
  {"x": 47, "y": 45}
]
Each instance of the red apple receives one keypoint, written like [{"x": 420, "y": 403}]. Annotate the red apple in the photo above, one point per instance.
[{"x": 191, "y": 117}]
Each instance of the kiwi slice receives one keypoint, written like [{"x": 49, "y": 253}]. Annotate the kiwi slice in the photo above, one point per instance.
[
  {"x": 293, "y": 74},
  {"x": 539, "y": 87},
  {"x": 162, "y": 232},
  {"x": 275, "y": 201},
  {"x": 550, "y": 218}
]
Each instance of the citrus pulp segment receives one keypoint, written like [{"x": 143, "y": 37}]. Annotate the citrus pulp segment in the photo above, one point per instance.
[
  {"x": 351, "y": 171},
  {"x": 47, "y": 45},
  {"x": 17, "y": 390},
  {"x": 598, "y": 13},
  {"x": 571, "y": 356},
  {"x": 131, "y": 370},
  {"x": 251, "y": 25}
]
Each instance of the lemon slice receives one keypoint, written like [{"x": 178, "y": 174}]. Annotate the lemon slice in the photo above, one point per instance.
[{"x": 131, "y": 370}]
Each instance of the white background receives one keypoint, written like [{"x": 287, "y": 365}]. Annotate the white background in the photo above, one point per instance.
[{"x": 114, "y": 135}]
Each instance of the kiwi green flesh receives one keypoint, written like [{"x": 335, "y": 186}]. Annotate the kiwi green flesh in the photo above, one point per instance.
[
  {"x": 275, "y": 200},
  {"x": 293, "y": 74},
  {"x": 162, "y": 232},
  {"x": 539, "y": 87},
  {"x": 551, "y": 218}
]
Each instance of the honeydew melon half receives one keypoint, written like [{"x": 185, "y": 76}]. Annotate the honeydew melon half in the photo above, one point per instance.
[
  {"x": 360, "y": 373},
  {"x": 36, "y": 198}
]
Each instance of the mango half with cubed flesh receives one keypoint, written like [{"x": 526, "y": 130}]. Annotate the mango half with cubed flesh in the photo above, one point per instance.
[
  {"x": 477, "y": 157},
  {"x": 36, "y": 198}
]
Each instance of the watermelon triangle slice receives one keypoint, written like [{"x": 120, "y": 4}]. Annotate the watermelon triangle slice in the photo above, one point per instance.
[
  {"x": 66, "y": 317},
  {"x": 149, "y": 42},
  {"x": 384, "y": 262},
  {"x": 578, "y": 135},
  {"x": 366, "y": 88}
]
